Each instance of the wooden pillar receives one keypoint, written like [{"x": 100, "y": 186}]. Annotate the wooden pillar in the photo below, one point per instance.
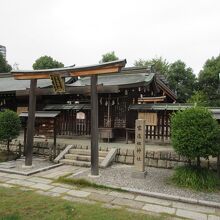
[
  {"x": 31, "y": 123},
  {"x": 94, "y": 127},
  {"x": 55, "y": 139},
  {"x": 25, "y": 137}
]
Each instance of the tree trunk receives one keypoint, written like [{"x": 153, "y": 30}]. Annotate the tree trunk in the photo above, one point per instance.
[
  {"x": 8, "y": 142},
  {"x": 198, "y": 162}
]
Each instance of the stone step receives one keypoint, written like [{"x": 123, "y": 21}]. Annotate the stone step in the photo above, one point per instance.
[
  {"x": 81, "y": 157},
  {"x": 87, "y": 152},
  {"x": 76, "y": 162}
]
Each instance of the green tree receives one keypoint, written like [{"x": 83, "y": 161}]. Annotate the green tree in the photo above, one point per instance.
[
  {"x": 10, "y": 126},
  {"x": 158, "y": 65},
  {"x": 181, "y": 80},
  {"x": 4, "y": 66},
  {"x": 110, "y": 56},
  {"x": 46, "y": 62},
  {"x": 195, "y": 134},
  {"x": 209, "y": 80},
  {"x": 199, "y": 99}
]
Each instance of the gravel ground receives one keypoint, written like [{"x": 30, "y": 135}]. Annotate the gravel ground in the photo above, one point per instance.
[
  {"x": 17, "y": 165},
  {"x": 156, "y": 181}
]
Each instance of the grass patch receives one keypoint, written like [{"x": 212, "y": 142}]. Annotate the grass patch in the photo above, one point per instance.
[
  {"x": 25, "y": 205},
  {"x": 199, "y": 179},
  {"x": 85, "y": 183}
]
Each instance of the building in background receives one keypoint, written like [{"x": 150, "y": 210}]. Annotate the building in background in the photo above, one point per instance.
[{"x": 3, "y": 51}]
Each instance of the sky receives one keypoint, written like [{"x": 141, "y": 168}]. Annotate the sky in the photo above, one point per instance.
[{"x": 80, "y": 32}]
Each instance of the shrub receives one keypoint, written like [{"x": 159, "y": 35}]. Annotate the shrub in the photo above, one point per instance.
[
  {"x": 195, "y": 134},
  {"x": 200, "y": 179},
  {"x": 10, "y": 126}
]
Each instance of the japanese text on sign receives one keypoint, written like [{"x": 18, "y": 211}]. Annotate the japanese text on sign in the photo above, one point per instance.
[
  {"x": 140, "y": 145},
  {"x": 58, "y": 83}
]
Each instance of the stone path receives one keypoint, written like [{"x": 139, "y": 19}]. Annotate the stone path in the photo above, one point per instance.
[{"x": 43, "y": 183}]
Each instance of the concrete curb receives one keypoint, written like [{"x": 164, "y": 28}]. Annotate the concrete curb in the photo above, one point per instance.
[{"x": 173, "y": 198}]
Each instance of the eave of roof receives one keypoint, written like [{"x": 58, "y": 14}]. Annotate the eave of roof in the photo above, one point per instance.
[
  {"x": 160, "y": 106},
  {"x": 68, "y": 107},
  {"x": 42, "y": 114},
  {"x": 121, "y": 80}
]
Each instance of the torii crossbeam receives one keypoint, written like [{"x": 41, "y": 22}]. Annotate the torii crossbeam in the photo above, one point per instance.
[{"x": 93, "y": 71}]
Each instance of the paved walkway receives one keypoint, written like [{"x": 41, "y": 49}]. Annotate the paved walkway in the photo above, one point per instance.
[{"x": 43, "y": 183}]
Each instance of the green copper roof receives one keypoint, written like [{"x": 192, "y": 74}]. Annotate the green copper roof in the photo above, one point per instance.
[{"x": 119, "y": 79}]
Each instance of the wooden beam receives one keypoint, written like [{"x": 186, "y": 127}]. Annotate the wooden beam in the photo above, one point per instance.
[
  {"x": 105, "y": 68},
  {"x": 95, "y": 71}
]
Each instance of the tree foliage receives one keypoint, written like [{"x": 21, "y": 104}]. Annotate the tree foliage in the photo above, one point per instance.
[
  {"x": 158, "y": 65},
  {"x": 46, "y": 62},
  {"x": 4, "y": 66},
  {"x": 199, "y": 98},
  {"x": 209, "y": 81},
  {"x": 110, "y": 56},
  {"x": 10, "y": 126},
  {"x": 181, "y": 80},
  {"x": 195, "y": 134}
]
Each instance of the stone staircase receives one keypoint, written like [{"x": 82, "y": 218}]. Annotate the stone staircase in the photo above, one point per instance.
[{"x": 81, "y": 157}]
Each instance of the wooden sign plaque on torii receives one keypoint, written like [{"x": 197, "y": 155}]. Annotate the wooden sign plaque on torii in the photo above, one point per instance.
[{"x": 93, "y": 71}]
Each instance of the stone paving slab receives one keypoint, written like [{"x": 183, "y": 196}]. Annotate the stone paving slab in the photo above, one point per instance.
[
  {"x": 26, "y": 189},
  {"x": 42, "y": 186},
  {"x": 59, "y": 189},
  {"x": 213, "y": 217},
  {"x": 16, "y": 176},
  {"x": 128, "y": 202},
  {"x": 39, "y": 180},
  {"x": 78, "y": 193},
  {"x": 191, "y": 215},
  {"x": 4, "y": 178},
  {"x": 64, "y": 185},
  {"x": 6, "y": 185},
  {"x": 193, "y": 207},
  {"x": 122, "y": 195},
  {"x": 3, "y": 174},
  {"x": 159, "y": 209},
  {"x": 111, "y": 206},
  {"x": 59, "y": 171},
  {"x": 148, "y": 199},
  {"x": 21, "y": 182},
  {"x": 100, "y": 191},
  {"x": 101, "y": 197},
  {"x": 46, "y": 193}
]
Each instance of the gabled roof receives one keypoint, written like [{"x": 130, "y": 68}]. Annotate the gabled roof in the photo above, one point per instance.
[{"x": 128, "y": 78}]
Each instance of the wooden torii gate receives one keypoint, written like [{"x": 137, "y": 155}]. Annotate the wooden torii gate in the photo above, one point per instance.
[{"x": 93, "y": 71}]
